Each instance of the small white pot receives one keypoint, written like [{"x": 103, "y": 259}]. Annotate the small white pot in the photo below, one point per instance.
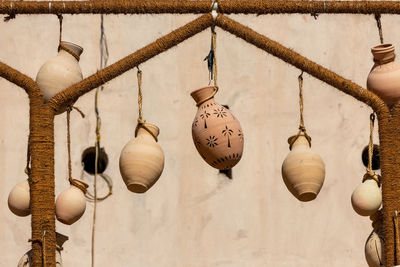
[
  {"x": 19, "y": 199},
  {"x": 367, "y": 198}
]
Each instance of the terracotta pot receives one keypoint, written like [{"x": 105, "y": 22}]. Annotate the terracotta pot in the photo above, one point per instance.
[
  {"x": 384, "y": 78},
  {"x": 60, "y": 72},
  {"x": 142, "y": 160},
  {"x": 375, "y": 248},
  {"x": 303, "y": 171},
  {"x": 367, "y": 198},
  {"x": 216, "y": 133},
  {"x": 19, "y": 199},
  {"x": 71, "y": 204}
]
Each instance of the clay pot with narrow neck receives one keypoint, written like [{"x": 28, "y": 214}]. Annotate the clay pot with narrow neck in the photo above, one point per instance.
[
  {"x": 217, "y": 134},
  {"x": 142, "y": 160},
  {"x": 366, "y": 198},
  {"x": 375, "y": 247},
  {"x": 303, "y": 171},
  {"x": 60, "y": 72},
  {"x": 384, "y": 77},
  {"x": 71, "y": 204},
  {"x": 19, "y": 199}
]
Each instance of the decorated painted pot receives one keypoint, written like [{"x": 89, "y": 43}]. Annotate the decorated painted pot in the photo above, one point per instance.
[
  {"x": 367, "y": 198},
  {"x": 71, "y": 204},
  {"x": 19, "y": 199},
  {"x": 142, "y": 160},
  {"x": 384, "y": 78},
  {"x": 60, "y": 72},
  {"x": 375, "y": 247},
  {"x": 303, "y": 171},
  {"x": 216, "y": 133}
]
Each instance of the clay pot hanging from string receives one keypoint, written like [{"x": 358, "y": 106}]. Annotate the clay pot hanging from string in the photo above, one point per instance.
[
  {"x": 367, "y": 197},
  {"x": 60, "y": 72},
  {"x": 19, "y": 199},
  {"x": 141, "y": 162},
  {"x": 217, "y": 134},
  {"x": 71, "y": 204},
  {"x": 384, "y": 77},
  {"x": 375, "y": 244},
  {"x": 303, "y": 170}
]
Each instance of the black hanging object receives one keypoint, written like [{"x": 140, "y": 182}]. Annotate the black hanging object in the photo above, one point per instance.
[
  {"x": 375, "y": 157},
  {"x": 89, "y": 158},
  {"x": 210, "y": 60}
]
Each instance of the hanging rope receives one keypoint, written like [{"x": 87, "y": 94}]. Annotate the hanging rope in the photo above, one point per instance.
[
  {"x": 60, "y": 44},
  {"x": 212, "y": 65},
  {"x": 397, "y": 237},
  {"x": 379, "y": 25},
  {"x": 370, "y": 173},
  {"x": 28, "y": 158},
  {"x": 141, "y": 123},
  {"x": 302, "y": 129}
]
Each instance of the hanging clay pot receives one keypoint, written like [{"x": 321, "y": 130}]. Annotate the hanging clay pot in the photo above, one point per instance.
[
  {"x": 384, "y": 78},
  {"x": 375, "y": 245},
  {"x": 60, "y": 72},
  {"x": 142, "y": 159},
  {"x": 367, "y": 197},
  {"x": 71, "y": 204},
  {"x": 26, "y": 259},
  {"x": 303, "y": 171},
  {"x": 216, "y": 133},
  {"x": 19, "y": 199}
]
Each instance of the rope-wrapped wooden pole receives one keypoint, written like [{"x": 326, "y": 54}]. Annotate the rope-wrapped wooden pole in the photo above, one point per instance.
[
  {"x": 297, "y": 60},
  {"x": 162, "y": 44},
  {"x": 198, "y": 6}
]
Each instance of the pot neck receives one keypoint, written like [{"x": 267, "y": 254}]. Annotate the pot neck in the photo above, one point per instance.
[
  {"x": 204, "y": 95},
  {"x": 300, "y": 143},
  {"x": 383, "y": 54},
  {"x": 148, "y": 130}
]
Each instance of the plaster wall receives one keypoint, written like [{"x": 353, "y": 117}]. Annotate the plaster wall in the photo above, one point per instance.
[{"x": 193, "y": 216}]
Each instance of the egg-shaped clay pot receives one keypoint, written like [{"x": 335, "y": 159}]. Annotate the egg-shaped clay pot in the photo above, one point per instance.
[
  {"x": 384, "y": 77},
  {"x": 375, "y": 244},
  {"x": 19, "y": 199},
  {"x": 71, "y": 204},
  {"x": 61, "y": 71},
  {"x": 217, "y": 134},
  {"x": 141, "y": 162},
  {"x": 367, "y": 198},
  {"x": 303, "y": 171}
]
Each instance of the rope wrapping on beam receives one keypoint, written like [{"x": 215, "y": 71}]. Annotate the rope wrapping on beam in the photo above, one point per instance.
[
  {"x": 297, "y": 60},
  {"x": 105, "y": 7},
  {"x": 69, "y": 95},
  {"x": 198, "y": 6},
  {"x": 18, "y": 78}
]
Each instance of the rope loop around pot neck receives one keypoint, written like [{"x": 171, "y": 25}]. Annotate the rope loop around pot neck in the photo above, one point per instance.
[
  {"x": 69, "y": 51},
  {"x": 79, "y": 184},
  {"x": 142, "y": 124},
  {"x": 208, "y": 98}
]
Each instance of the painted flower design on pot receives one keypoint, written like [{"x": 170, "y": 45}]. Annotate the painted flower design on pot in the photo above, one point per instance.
[
  {"x": 212, "y": 141},
  {"x": 220, "y": 112},
  {"x": 227, "y": 132}
]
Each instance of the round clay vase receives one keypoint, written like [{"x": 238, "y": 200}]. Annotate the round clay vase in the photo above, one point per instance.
[
  {"x": 367, "y": 198},
  {"x": 60, "y": 72},
  {"x": 71, "y": 204},
  {"x": 19, "y": 199},
  {"x": 216, "y": 133},
  {"x": 142, "y": 160},
  {"x": 303, "y": 171},
  {"x": 375, "y": 248},
  {"x": 384, "y": 78}
]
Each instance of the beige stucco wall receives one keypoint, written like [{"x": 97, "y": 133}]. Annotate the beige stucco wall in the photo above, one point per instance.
[{"x": 194, "y": 217}]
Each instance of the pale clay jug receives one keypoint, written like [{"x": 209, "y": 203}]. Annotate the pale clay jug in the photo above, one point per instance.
[
  {"x": 71, "y": 204},
  {"x": 142, "y": 160},
  {"x": 375, "y": 247},
  {"x": 26, "y": 259},
  {"x": 303, "y": 171},
  {"x": 19, "y": 199},
  {"x": 60, "y": 72},
  {"x": 366, "y": 198},
  {"x": 384, "y": 78},
  {"x": 216, "y": 133}
]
